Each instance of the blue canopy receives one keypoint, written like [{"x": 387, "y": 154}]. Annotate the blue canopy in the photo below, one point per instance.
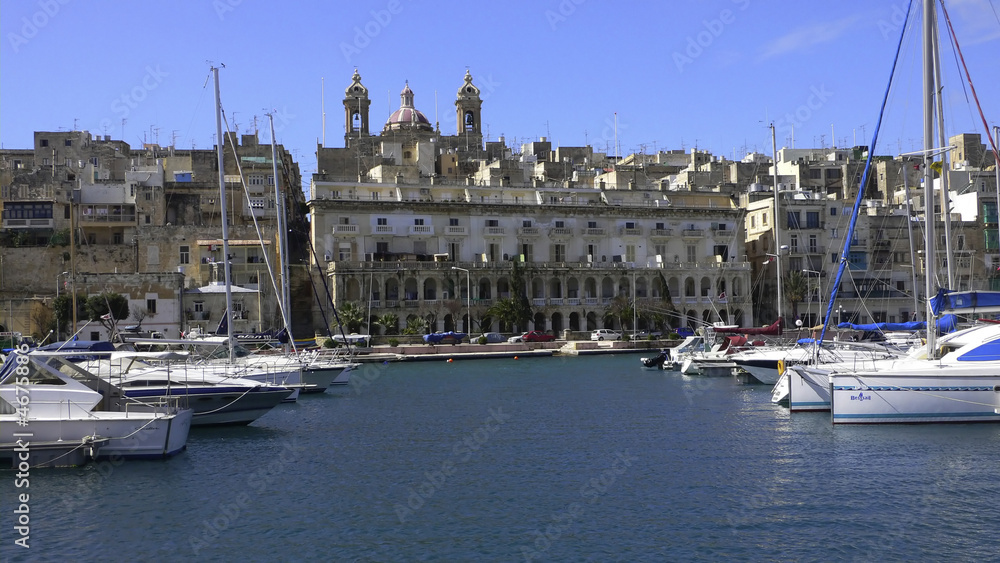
[
  {"x": 440, "y": 336},
  {"x": 885, "y": 327},
  {"x": 965, "y": 301}
]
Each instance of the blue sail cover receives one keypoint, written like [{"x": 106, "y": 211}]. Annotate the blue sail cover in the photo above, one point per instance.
[
  {"x": 965, "y": 302},
  {"x": 885, "y": 327}
]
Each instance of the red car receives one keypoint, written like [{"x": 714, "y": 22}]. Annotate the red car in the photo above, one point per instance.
[{"x": 533, "y": 336}]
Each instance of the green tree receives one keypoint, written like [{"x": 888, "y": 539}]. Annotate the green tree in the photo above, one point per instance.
[
  {"x": 389, "y": 323},
  {"x": 415, "y": 325},
  {"x": 98, "y": 306},
  {"x": 352, "y": 316},
  {"x": 507, "y": 312},
  {"x": 621, "y": 309},
  {"x": 795, "y": 287},
  {"x": 519, "y": 295}
]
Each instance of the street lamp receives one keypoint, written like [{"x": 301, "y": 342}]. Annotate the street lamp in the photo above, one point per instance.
[{"x": 468, "y": 299}]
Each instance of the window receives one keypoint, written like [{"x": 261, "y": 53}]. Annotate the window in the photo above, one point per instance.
[
  {"x": 380, "y": 221},
  {"x": 492, "y": 223},
  {"x": 381, "y": 247},
  {"x": 560, "y": 224},
  {"x": 812, "y": 219},
  {"x": 420, "y": 247},
  {"x": 723, "y": 251},
  {"x": 374, "y": 196},
  {"x": 833, "y": 212},
  {"x": 793, "y": 243},
  {"x": 630, "y": 225},
  {"x": 630, "y": 252},
  {"x": 559, "y": 252},
  {"x": 452, "y": 222},
  {"x": 857, "y": 260},
  {"x": 418, "y": 221},
  {"x": 270, "y": 180},
  {"x": 526, "y": 223},
  {"x": 753, "y": 222},
  {"x": 527, "y": 253},
  {"x": 256, "y": 180},
  {"x": 763, "y": 221},
  {"x": 795, "y": 264},
  {"x": 794, "y": 220},
  {"x": 45, "y": 143},
  {"x": 147, "y": 218},
  {"x": 69, "y": 143},
  {"x": 835, "y": 233},
  {"x": 591, "y": 224},
  {"x": 692, "y": 253},
  {"x": 199, "y": 306},
  {"x": 660, "y": 226},
  {"x": 151, "y": 306},
  {"x": 344, "y": 251},
  {"x": 815, "y": 174},
  {"x": 117, "y": 238},
  {"x": 833, "y": 174},
  {"x": 660, "y": 250},
  {"x": 813, "y": 244},
  {"x": 45, "y": 162}
]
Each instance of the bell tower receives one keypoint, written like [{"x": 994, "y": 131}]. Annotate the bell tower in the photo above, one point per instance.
[
  {"x": 468, "y": 106},
  {"x": 356, "y": 105}
]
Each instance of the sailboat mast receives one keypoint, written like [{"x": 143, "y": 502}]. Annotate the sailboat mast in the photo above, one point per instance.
[
  {"x": 282, "y": 234},
  {"x": 777, "y": 221},
  {"x": 930, "y": 265},
  {"x": 225, "y": 218},
  {"x": 945, "y": 196}
]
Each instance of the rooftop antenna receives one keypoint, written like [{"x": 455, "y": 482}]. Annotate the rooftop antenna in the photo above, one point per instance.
[{"x": 322, "y": 105}]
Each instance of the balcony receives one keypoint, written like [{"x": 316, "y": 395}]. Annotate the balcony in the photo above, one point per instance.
[
  {"x": 494, "y": 231},
  {"x": 528, "y": 231},
  {"x": 108, "y": 219},
  {"x": 384, "y": 230},
  {"x": 593, "y": 232},
  {"x": 421, "y": 229},
  {"x": 630, "y": 232},
  {"x": 660, "y": 233},
  {"x": 345, "y": 229},
  {"x": 28, "y": 223},
  {"x": 456, "y": 230},
  {"x": 724, "y": 233},
  {"x": 560, "y": 231},
  {"x": 693, "y": 232}
]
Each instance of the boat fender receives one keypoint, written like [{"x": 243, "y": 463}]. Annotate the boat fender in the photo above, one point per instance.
[{"x": 781, "y": 367}]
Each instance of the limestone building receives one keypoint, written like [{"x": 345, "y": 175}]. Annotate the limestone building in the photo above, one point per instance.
[{"x": 436, "y": 228}]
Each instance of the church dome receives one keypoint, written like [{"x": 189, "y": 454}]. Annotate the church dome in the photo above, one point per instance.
[{"x": 407, "y": 116}]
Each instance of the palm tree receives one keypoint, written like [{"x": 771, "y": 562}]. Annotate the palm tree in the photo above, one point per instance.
[
  {"x": 389, "y": 323},
  {"x": 507, "y": 311},
  {"x": 415, "y": 325},
  {"x": 352, "y": 316},
  {"x": 796, "y": 288},
  {"x": 621, "y": 309}
]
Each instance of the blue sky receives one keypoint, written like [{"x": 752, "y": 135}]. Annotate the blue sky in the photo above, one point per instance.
[{"x": 710, "y": 74}]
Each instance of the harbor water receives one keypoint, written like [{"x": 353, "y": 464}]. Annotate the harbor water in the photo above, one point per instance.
[{"x": 544, "y": 459}]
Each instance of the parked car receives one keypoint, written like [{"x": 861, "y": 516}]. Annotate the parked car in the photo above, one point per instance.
[
  {"x": 492, "y": 337},
  {"x": 645, "y": 334},
  {"x": 605, "y": 334},
  {"x": 532, "y": 336}
]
